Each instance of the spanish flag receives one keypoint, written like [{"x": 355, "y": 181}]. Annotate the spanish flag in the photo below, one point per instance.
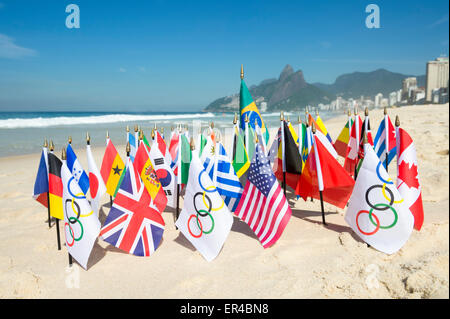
[
  {"x": 112, "y": 169},
  {"x": 248, "y": 107},
  {"x": 55, "y": 186},
  {"x": 143, "y": 166}
]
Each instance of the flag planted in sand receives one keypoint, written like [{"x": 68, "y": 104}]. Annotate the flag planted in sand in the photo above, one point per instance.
[
  {"x": 81, "y": 224},
  {"x": 205, "y": 219},
  {"x": 376, "y": 212}
]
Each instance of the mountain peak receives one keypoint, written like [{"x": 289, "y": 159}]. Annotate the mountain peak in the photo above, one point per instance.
[{"x": 287, "y": 71}]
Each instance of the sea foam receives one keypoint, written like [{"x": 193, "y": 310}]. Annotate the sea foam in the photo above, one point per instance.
[{"x": 95, "y": 119}]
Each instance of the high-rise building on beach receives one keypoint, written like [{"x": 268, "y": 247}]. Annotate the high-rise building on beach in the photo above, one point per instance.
[
  {"x": 437, "y": 76},
  {"x": 408, "y": 85},
  {"x": 378, "y": 99}
]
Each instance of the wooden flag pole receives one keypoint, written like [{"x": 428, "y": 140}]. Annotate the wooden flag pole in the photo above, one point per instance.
[
  {"x": 313, "y": 129},
  {"x": 64, "y": 157}
]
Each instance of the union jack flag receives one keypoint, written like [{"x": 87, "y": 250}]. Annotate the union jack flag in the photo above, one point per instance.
[{"x": 133, "y": 223}]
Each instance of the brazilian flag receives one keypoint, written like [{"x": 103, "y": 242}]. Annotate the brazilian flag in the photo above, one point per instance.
[
  {"x": 248, "y": 107},
  {"x": 241, "y": 161}
]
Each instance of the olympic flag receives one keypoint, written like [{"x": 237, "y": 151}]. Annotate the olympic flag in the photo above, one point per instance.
[
  {"x": 81, "y": 225},
  {"x": 205, "y": 219},
  {"x": 376, "y": 211}
]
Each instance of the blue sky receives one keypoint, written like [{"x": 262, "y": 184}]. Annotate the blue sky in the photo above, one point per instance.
[{"x": 181, "y": 55}]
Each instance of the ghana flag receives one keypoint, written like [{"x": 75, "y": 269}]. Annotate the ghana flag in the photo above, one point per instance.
[
  {"x": 55, "y": 186},
  {"x": 112, "y": 169},
  {"x": 248, "y": 107}
]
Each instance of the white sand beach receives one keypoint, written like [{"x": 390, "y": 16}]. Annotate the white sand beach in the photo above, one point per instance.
[{"x": 309, "y": 260}]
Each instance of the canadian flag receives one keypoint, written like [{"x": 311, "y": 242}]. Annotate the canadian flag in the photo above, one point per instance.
[{"x": 408, "y": 183}]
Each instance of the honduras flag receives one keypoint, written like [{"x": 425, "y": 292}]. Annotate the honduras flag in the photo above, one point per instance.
[
  {"x": 381, "y": 143},
  {"x": 77, "y": 170}
]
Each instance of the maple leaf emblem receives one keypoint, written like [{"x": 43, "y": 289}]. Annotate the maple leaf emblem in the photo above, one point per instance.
[{"x": 409, "y": 175}]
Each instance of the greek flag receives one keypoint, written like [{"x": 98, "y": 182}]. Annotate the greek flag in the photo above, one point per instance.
[
  {"x": 379, "y": 144},
  {"x": 217, "y": 165}
]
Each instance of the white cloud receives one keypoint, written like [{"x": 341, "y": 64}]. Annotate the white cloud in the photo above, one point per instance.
[
  {"x": 10, "y": 50},
  {"x": 122, "y": 70},
  {"x": 142, "y": 69},
  {"x": 442, "y": 20}
]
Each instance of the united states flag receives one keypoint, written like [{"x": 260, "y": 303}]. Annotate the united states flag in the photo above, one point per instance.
[
  {"x": 133, "y": 223},
  {"x": 263, "y": 205}
]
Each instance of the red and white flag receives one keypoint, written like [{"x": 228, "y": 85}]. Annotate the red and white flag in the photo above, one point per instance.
[
  {"x": 351, "y": 161},
  {"x": 408, "y": 183},
  {"x": 97, "y": 187},
  {"x": 323, "y": 173}
]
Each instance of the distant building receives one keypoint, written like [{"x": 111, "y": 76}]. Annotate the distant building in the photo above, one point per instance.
[
  {"x": 263, "y": 106},
  {"x": 418, "y": 95},
  {"x": 384, "y": 102},
  {"x": 392, "y": 98},
  {"x": 437, "y": 77},
  {"x": 399, "y": 96},
  {"x": 408, "y": 85},
  {"x": 378, "y": 99}
]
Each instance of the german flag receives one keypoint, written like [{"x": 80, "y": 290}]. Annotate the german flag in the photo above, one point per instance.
[
  {"x": 55, "y": 186},
  {"x": 143, "y": 166},
  {"x": 112, "y": 169},
  {"x": 292, "y": 159}
]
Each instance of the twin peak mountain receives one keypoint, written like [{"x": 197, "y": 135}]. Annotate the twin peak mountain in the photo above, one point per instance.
[{"x": 290, "y": 92}]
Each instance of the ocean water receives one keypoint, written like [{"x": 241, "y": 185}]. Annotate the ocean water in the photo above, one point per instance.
[{"x": 24, "y": 132}]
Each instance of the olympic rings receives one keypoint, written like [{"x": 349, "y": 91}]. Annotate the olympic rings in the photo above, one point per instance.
[
  {"x": 198, "y": 223},
  {"x": 384, "y": 194},
  {"x": 70, "y": 192},
  {"x": 71, "y": 231},
  {"x": 379, "y": 207},
  {"x": 85, "y": 215},
  {"x": 212, "y": 226},
  {"x": 201, "y": 185},
  {"x": 210, "y": 207},
  {"x": 73, "y": 239},
  {"x": 378, "y": 222},
  {"x": 203, "y": 212},
  {"x": 77, "y": 213},
  {"x": 379, "y": 186},
  {"x": 379, "y": 176},
  {"x": 210, "y": 204}
]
